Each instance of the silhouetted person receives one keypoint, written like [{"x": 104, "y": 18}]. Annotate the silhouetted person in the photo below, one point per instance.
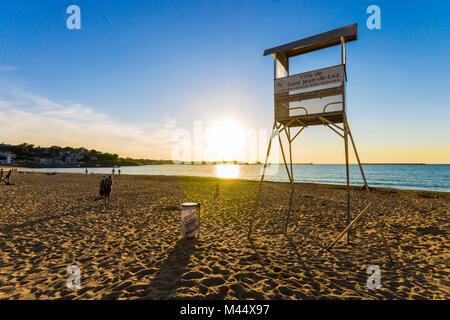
[
  {"x": 8, "y": 178},
  {"x": 106, "y": 190}
]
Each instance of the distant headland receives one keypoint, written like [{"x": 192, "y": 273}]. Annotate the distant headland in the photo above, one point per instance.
[{"x": 28, "y": 155}]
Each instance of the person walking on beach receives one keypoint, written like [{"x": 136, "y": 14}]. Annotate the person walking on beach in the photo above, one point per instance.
[
  {"x": 1, "y": 174},
  {"x": 119, "y": 172},
  {"x": 8, "y": 178},
  {"x": 106, "y": 190},
  {"x": 113, "y": 171},
  {"x": 86, "y": 172}
]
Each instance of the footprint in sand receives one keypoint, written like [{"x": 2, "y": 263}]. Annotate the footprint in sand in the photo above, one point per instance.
[
  {"x": 193, "y": 275},
  {"x": 213, "y": 281}
]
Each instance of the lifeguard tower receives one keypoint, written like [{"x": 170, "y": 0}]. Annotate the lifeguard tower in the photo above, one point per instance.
[{"x": 307, "y": 99}]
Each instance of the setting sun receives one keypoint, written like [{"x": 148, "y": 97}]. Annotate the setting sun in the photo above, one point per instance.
[{"x": 225, "y": 140}]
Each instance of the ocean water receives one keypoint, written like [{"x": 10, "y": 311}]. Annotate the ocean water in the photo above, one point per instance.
[{"x": 433, "y": 177}]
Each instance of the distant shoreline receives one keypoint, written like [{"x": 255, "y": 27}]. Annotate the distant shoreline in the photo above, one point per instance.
[
  {"x": 205, "y": 164},
  {"x": 75, "y": 166}
]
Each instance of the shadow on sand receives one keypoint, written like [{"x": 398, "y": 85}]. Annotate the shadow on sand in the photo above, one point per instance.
[{"x": 167, "y": 278}]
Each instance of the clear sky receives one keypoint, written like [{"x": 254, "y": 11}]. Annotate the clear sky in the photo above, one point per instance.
[{"x": 139, "y": 72}]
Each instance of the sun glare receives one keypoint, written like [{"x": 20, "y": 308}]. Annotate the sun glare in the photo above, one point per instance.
[
  {"x": 226, "y": 141},
  {"x": 227, "y": 171}
]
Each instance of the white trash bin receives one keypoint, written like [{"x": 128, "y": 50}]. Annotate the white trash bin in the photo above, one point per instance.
[{"x": 189, "y": 220}]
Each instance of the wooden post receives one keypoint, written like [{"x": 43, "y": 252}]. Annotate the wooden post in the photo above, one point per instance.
[
  {"x": 259, "y": 191},
  {"x": 291, "y": 205},
  {"x": 348, "y": 178},
  {"x": 356, "y": 154},
  {"x": 349, "y": 225},
  {"x": 284, "y": 158},
  {"x": 379, "y": 222},
  {"x": 343, "y": 57},
  {"x": 296, "y": 214}
]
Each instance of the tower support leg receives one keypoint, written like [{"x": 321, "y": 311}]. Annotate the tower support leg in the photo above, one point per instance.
[
  {"x": 347, "y": 176},
  {"x": 291, "y": 202},
  {"x": 379, "y": 220},
  {"x": 347, "y": 132},
  {"x": 275, "y": 130},
  {"x": 252, "y": 217}
]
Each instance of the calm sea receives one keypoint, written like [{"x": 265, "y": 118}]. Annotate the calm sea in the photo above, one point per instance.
[{"x": 435, "y": 177}]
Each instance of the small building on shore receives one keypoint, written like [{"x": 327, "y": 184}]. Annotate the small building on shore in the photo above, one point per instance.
[
  {"x": 71, "y": 159},
  {"x": 7, "y": 157},
  {"x": 45, "y": 161}
]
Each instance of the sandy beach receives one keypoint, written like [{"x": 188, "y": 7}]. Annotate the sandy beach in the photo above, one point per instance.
[{"x": 134, "y": 249}]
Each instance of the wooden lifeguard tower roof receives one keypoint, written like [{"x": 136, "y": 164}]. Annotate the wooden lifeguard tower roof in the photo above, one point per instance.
[{"x": 316, "y": 42}]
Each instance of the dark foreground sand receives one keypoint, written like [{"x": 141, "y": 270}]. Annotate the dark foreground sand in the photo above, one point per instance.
[{"x": 135, "y": 250}]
